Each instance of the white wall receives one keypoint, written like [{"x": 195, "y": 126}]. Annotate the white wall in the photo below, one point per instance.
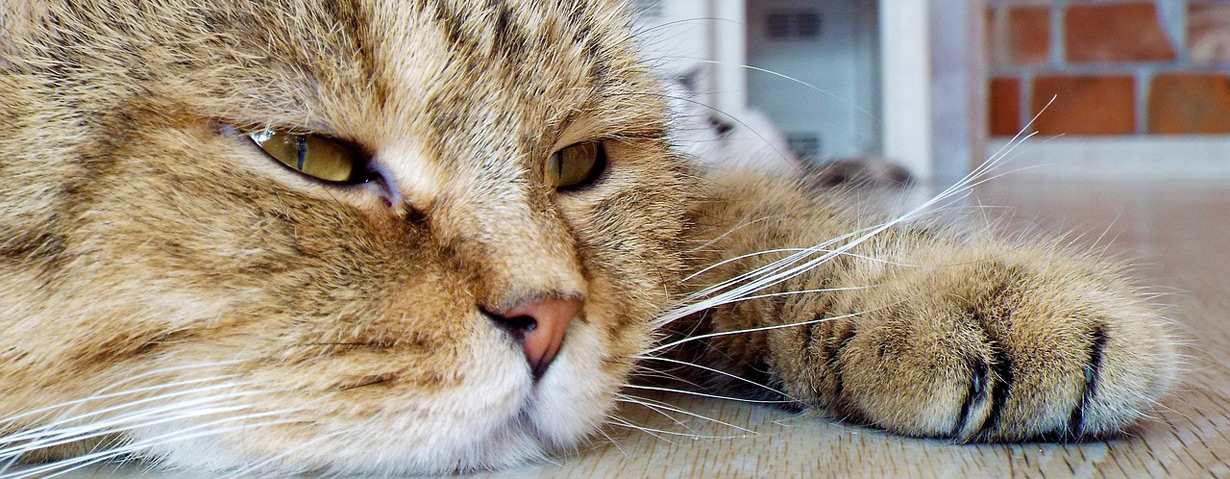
[
  {"x": 905, "y": 60},
  {"x": 900, "y": 114},
  {"x": 832, "y": 92}
]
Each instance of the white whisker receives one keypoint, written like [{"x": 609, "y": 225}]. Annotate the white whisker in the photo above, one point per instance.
[
  {"x": 628, "y": 400},
  {"x": 817, "y": 89},
  {"x": 780, "y": 250},
  {"x": 712, "y": 370},
  {"x": 655, "y": 432},
  {"x": 58, "y": 468},
  {"x": 615, "y": 421},
  {"x": 727, "y": 233},
  {"x": 805, "y": 291},
  {"x": 90, "y": 431},
  {"x": 100, "y": 393},
  {"x": 53, "y": 425},
  {"x": 659, "y": 404},
  {"x": 127, "y": 422},
  {"x": 751, "y": 330},
  {"x": 711, "y": 396}
]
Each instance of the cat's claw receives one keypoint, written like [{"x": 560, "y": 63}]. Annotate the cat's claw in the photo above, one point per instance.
[{"x": 1005, "y": 352}]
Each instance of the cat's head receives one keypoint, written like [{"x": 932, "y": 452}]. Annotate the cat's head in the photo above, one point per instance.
[{"x": 445, "y": 189}]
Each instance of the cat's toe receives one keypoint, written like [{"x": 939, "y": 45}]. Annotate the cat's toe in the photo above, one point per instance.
[
  {"x": 1014, "y": 356},
  {"x": 1051, "y": 401}
]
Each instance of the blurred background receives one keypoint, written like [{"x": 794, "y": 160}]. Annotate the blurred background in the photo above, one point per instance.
[{"x": 1140, "y": 88}]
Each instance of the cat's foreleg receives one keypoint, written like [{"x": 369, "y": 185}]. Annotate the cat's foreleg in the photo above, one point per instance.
[
  {"x": 973, "y": 340},
  {"x": 920, "y": 330}
]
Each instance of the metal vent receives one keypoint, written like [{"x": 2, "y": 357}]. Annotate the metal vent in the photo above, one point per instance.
[
  {"x": 793, "y": 24},
  {"x": 805, "y": 145}
]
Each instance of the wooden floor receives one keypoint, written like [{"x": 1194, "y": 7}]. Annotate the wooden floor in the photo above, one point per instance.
[{"x": 1181, "y": 234}]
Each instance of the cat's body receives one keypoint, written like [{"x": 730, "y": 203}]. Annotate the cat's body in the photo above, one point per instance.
[{"x": 222, "y": 310}]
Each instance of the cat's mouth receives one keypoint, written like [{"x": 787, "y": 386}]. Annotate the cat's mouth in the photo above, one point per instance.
[{"x": 570, "y": 400}]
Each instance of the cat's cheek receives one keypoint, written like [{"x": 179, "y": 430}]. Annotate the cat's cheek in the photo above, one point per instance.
[
  {"x": 479, "y": 424},
  {"x": 496, "y": 417}
]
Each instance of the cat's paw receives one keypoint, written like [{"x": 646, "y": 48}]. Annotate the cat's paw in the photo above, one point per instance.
[{"x": 1005, "y": 347}]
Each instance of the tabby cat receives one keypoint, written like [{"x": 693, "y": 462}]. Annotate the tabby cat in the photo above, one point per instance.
[{"x": 439, "y": 235}]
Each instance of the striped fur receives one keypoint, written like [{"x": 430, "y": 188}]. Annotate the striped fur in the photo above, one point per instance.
[{"x": 168, "y": 292}]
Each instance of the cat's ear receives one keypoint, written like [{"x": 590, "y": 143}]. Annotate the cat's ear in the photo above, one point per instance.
[{"x": 17, "y": 17}]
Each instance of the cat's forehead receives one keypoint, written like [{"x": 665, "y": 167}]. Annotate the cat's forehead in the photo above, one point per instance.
[
  {"x": 472, "y": 79},
  {"x": 289, "y": 55},
  {"x": 493, "y": 65},
  {"x": 448, "y": 67}
]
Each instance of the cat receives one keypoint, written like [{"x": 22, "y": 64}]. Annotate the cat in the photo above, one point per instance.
[{"x": 420, "y": 236}]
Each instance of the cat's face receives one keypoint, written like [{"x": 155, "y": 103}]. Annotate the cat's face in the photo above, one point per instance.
[{"x": 148, "y": 242}]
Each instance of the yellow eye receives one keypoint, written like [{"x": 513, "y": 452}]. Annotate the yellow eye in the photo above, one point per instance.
[
  {"x": 577, "y": 165},
  {"x": 311, "y": 155}
]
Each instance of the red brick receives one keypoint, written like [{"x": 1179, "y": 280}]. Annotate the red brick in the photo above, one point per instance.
[
  {"x": 1208, "y": 32},
  {"x": 1005, "y": 106},
  {"x": 1085, "y": 105},
  {"x": 1115, "y": 32},
  {"x": 1021, "y": 36},
  {"x": 1181, "y": 103}
]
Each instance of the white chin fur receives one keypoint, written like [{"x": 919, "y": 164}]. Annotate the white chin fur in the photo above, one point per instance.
[
  {"x": 574, "y": 397},
  {"x": 496, "y": 419}
]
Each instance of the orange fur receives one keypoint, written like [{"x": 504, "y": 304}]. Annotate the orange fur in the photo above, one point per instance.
[{"x": 148, "y": 252}]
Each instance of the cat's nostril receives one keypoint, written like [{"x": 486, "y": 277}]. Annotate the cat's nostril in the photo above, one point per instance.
[
  {"x": 517, "y": 325},
  {"x": 540, "y": 325}
]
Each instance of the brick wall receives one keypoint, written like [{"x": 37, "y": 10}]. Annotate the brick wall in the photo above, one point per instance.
[{"x": 1118, "y": 67}]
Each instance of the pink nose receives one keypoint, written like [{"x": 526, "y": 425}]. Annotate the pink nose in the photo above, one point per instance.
[{"x": 540, "y": 324}]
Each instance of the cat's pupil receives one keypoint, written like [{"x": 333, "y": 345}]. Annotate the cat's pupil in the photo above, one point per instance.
[
  {"x": 311, "y": 155},
  {"x": 302, "y": 143},
  {"x": 576, "y": 166}
]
